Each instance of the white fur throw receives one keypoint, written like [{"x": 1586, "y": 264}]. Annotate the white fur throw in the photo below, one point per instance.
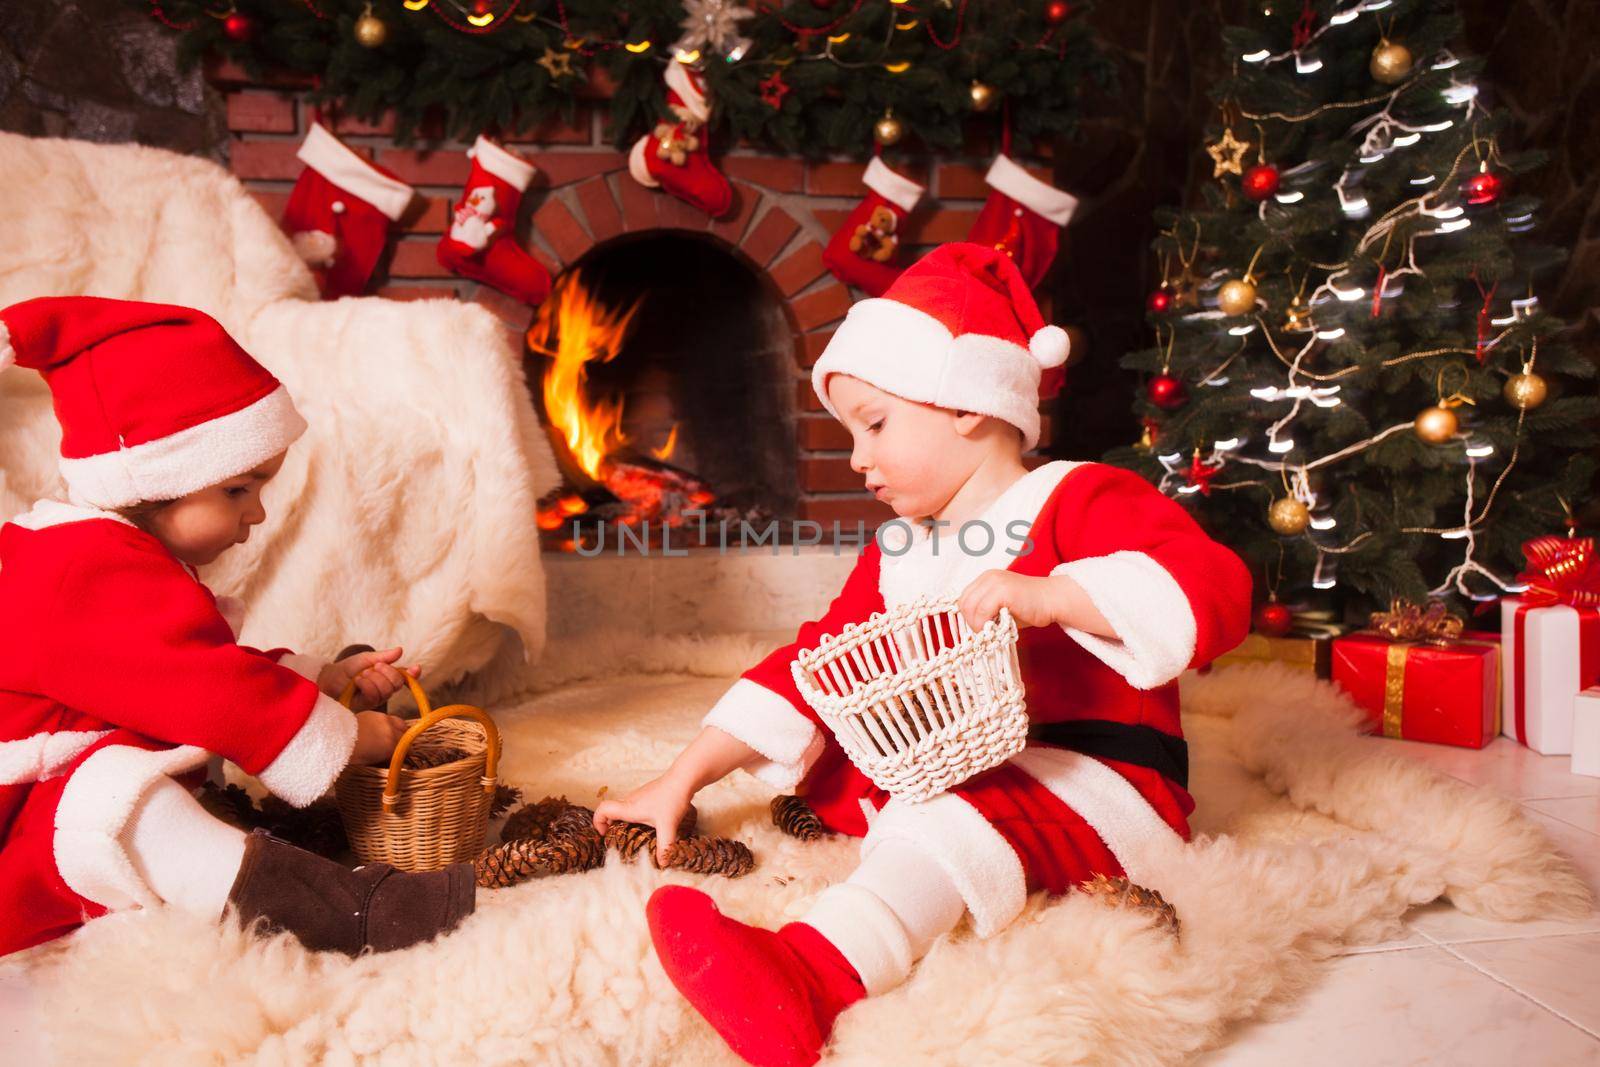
[
  {"x": 405, "y": 514},
  {"x": 1310, "y": 838}
]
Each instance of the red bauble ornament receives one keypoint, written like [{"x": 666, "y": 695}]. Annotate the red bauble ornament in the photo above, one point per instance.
[
  {"x": 1483, "y": 187},
  {"x": 1056, "y": 12},
  {"x": 482, "y": 7},
  {"x": 1273, "y": 619},
  {"x": 239, "y": 27},
  {"x": 1260, "y": 181},
  {"x": 1166, "y": 392},
  {"x": 1159, "y": 301}
]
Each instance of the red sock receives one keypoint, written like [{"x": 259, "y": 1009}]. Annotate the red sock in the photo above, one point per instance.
[{"x": 773, "y": 996}]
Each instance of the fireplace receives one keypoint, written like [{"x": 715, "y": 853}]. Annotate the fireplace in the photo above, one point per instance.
[
  {"x": 585, "y": 216},
  {"x": 665, "y": 372}
]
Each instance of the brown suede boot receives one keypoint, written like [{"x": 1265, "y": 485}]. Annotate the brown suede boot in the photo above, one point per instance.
[{"x": 332, "y": 908}]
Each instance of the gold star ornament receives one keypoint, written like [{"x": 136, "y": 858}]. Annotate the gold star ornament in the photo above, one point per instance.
[
  {"x": 1227, "y": 154},
  {"x": 559, "y": 64}
]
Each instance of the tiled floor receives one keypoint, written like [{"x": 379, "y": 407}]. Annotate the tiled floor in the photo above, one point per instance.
[{"x": 1457, "y": 990}]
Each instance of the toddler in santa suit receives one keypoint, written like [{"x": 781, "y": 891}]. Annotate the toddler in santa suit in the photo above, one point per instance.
[
  {"x": 120, "y": 675},
  {"x": 1117, "y": 592}
]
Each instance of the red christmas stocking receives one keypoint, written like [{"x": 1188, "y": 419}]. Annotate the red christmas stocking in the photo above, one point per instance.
[
  {"x": 862, "y": 251},
  {"x": 675, "y": 156},
  {"x": 480, "y": 243},
  {"x": 339, "y": 213},
  {"x": 1022, "y": 218}
]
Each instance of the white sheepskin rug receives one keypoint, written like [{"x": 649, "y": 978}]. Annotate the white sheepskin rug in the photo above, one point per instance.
[{"x": 1308, "y": 839}]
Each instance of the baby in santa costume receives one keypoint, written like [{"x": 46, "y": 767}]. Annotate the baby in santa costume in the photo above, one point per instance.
[
  {"x": 120, "y": 675},
  {"x": 1117, "y": 592}
]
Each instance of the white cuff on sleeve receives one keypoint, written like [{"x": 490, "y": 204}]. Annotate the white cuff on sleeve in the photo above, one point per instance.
[
  {"x": 315, "y": 755},
  {"x": 1148, "y": 610},
  {"x": 787, "y": 741}
]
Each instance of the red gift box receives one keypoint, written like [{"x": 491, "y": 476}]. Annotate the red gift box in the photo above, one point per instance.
[{"x": 1444, "y": 693}]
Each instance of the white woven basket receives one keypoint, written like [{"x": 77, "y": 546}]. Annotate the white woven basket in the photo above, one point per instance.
[{"x": 918, "y": 701}]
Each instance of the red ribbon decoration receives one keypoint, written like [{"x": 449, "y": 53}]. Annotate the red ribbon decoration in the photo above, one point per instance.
[
  {"x": 1305, "y": 27},
  {"x": 1484, "y": 316},
  {"x": 1560, "y": 571}
]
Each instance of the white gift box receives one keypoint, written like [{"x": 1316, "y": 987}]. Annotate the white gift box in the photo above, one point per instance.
[
  {"x": 1586, "y": 733},
  {"x": 1546, "y": 669}
]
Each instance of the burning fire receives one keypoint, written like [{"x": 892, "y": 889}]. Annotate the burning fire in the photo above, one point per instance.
[
  {"x": 577, "y": 331},
  {"x": 583, "y": 331}
]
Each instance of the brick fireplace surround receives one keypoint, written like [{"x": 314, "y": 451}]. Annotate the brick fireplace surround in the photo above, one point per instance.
[{"x": 785, "y": 210}]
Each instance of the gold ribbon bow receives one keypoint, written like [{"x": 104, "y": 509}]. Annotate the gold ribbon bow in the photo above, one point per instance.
[{"x": 1405, "y": 621}]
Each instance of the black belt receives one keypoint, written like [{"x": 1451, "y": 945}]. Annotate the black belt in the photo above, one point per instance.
[{"x": 1142, "y": 746}]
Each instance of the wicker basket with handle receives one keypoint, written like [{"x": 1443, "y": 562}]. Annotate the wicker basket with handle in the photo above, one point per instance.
[
  {"x": 425, "y": 819},
  {"x": 918, "y": 700}
]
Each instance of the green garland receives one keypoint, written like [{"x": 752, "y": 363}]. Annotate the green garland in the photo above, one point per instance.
[{"x": 843, "y": 63}]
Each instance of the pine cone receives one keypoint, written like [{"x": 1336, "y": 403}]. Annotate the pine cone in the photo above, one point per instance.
[
  {"x": 1121, "y": 893},
  {"x": 230, "y": 803},
  {"x": 316, "y": 828},
  {"x": 794, "y": 817},
  {"x": 711, "y": 855},
  {"x": 505, "y": 797},
  {"x": 560, "y": 838},
  {"x": 629, "y": 838},
  {"x": 420, "y": 759},
  {"x": 532, "y": 821}
]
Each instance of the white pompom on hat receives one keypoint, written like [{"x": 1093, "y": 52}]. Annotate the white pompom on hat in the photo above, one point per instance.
[{"x": 959, "y": 329}]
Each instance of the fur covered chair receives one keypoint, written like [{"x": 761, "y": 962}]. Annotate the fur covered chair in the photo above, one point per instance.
[{"x": 405, "y": 515}]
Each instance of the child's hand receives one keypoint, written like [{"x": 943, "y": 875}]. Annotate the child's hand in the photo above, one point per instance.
[
  {"x": 661, "y": 803},
  {"x": 376, "y": 677},
  {"x": 1043, "y": 601},
  {"x": 377, "y": 733},
  {"x": 1031, "y": 600}
]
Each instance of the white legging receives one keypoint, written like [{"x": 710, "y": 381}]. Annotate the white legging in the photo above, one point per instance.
[
  {"x": 187, "y": 856},
  {"x": 886, "y": 915}
]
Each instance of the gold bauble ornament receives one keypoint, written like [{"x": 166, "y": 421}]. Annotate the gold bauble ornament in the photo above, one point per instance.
[
  {"x": 1237, "y": 297},
  {"x": 1391, "y": 62},
  {"x": 1288, "y": 517},
  {"x": 1436, "y": 425},
  {"x": 983, "y": 96},
  {"x": 888, "y": 129},
  {"x": 371, "y": 31},
  {"x": 1525, "y": 391}
]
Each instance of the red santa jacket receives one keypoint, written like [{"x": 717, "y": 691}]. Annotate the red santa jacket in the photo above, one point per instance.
[
  {"x": 118, "y": 667},
  {"x": 1176, "y": 599}
]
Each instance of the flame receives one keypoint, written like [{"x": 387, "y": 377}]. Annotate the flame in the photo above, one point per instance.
[
  {"x": 664, "y": 453},
  {"x": 584, "y": 331}
]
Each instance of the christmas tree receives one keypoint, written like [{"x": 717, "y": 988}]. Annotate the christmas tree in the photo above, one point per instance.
[{"x": 1352, "y": 382}]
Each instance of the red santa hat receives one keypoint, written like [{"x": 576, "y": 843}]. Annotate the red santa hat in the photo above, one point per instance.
[
  {"x": 960, "y": 330},
  {"x": 155, "y": 401}
]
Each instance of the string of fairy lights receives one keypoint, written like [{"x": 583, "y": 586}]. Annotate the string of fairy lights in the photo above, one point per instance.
[{"x": 1300, "y": 510}]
